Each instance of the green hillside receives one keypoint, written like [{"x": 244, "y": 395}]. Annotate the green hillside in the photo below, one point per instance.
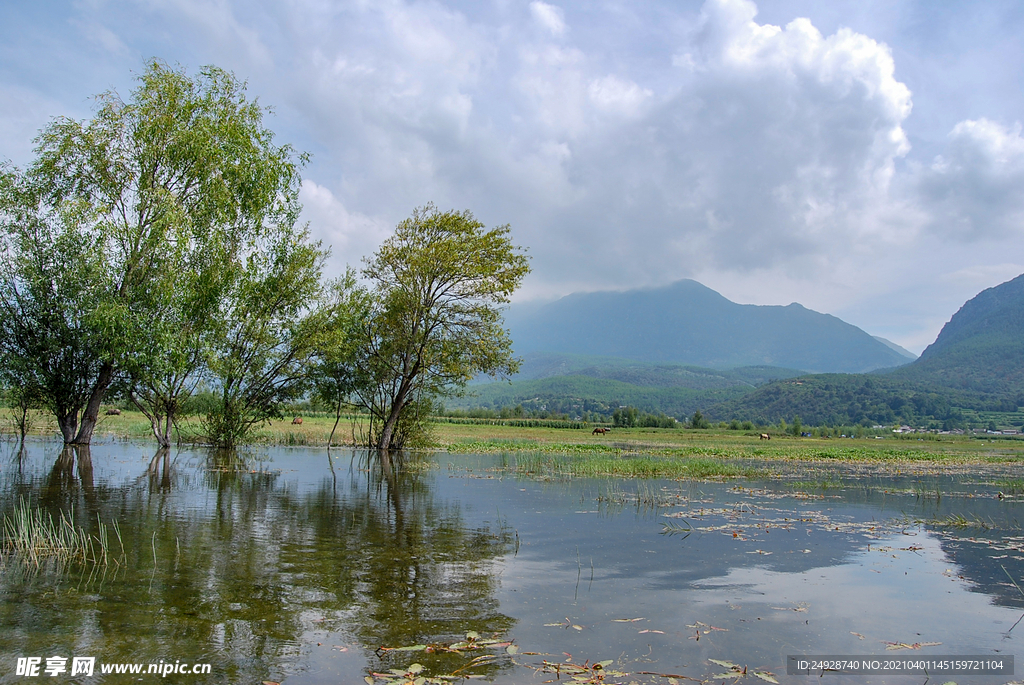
[
  {"x": 576, "y": 394},
  {"x": 981, "y": 349},
  {"x": 973, "y": 372},
  {"x": 538, "y": 365}
]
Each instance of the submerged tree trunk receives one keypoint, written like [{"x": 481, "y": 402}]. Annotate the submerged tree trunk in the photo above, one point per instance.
[
  {"x": 337, "y": 420},
  {"x": 68, "y": 424},
  {"x": 161, "y": 422},
  {"x": 92, "y": 409},
  {"x": 387, "y": 433}
]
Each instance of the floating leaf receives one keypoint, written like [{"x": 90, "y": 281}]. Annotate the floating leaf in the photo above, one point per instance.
[
  {"x": 410, "y": 648},
  {"x": 472, "y": 635},
  {"x": 903, "y": 645},
  {"x": 626, "y": 620},
  {"x": 576, "y": 627},
  {"x": 512, "y": 649},
  {"x": 766, "y": 676},
  {"x": 415, "y": 668},
  {"x": 727, "y": 664}
]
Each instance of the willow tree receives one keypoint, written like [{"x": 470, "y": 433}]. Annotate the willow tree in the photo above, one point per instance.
[
  {"x": 178, "y": 178},
  {"x": 271, "y": 325},
  {"x": 50, "y": 280},
  {"x": 438, "y": 284}
]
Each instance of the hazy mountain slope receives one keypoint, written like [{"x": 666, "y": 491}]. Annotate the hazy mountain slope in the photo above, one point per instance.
[
  {"x": 537, "y": 365},
  {"x": 688, "y": 323},
  {"x": 980, "y": 349},
  {"x": 896, "y": 348},
  {"x": 976, "y": 363}
]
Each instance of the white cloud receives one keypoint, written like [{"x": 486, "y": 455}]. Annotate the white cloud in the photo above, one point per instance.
[
  {"x": 550, "y": 17},
  {"x": 613, "y": 94},
  {"x": 350, "y": 235},
  {"x": 653, "y": 141},
  {"x": 976, "y": 189}
]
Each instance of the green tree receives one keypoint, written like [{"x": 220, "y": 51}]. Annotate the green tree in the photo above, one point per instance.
[
  {"x": 626, "y": 417},
  {"x": 181, "y": 176},
  {"x": 438, "y": 284},
  {"x": 335, "y": 372},
  {"x": 698, "y": 420},
  {"x": 50, "y": 285},
  {"x": 797, "y": 427},
  {"x": 271, "y": 325}
]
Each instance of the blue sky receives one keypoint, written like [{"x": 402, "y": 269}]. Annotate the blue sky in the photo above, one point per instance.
[{"x": 862, "y": 158}]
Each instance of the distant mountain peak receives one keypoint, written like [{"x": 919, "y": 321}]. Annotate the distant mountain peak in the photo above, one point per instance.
[
  {"x": 897, "y": 348},
  {"x": 688, "y": 323}
]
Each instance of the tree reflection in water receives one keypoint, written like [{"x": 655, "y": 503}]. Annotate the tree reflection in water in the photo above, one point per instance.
[{"x": 230, "y": 563}]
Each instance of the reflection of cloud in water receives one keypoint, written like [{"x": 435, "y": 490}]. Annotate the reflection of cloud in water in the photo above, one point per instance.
[
  {"x": 905, "y": 589},
  {"x": 888, "y": 594}
]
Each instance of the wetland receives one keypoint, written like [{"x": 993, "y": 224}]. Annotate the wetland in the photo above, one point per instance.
[{"x": 292, "y": 565}]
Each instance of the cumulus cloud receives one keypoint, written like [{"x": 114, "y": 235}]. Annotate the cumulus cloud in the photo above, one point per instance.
[
  {"x": 775, "y": 144},
  {"x": 626, "y": 146},
  {"x": 350, "y": 235},
  {"x": 548, "y": 16},
  {"x": 976, "y": 189}
]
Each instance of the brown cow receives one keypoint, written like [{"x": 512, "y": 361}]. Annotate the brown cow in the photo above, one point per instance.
[
  {"x": 765, "y": 436},
  {"x": 599, "y": 431},
  {"x": 297, "y": 421}
]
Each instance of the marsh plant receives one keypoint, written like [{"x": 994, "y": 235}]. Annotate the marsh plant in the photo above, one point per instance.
[{"x": 34, "y": 537}]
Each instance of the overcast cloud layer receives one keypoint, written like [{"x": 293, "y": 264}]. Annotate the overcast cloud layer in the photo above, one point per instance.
[{"x": 862, "y": 158}]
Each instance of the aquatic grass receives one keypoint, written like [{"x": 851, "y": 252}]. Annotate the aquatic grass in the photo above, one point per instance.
[
  {"x": 35, "y": 537},
  {"x": 696, "y": 468},
  {"x": 958, "y": 521},
  {"x": 827, "y": 483},
  {"x": 492, "y": 445},
  {"x": 1010, "y": 486}
]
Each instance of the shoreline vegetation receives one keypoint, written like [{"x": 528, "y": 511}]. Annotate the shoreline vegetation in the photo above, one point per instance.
[{"x": 575, "y": 451}]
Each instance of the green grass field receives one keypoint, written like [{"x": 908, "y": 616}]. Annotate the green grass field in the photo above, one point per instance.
[{"x": 625, "y": 451}]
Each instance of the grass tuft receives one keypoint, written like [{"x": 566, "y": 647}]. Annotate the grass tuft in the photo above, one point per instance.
[{"x": 34, "y": 536}]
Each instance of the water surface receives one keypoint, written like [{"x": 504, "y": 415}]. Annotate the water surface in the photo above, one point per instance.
[{"x": 283, "y": 565}]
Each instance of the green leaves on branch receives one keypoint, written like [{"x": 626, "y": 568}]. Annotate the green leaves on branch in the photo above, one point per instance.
[
  {"x": 437, "y": 285},
  {"x": 160, "y": 197}
]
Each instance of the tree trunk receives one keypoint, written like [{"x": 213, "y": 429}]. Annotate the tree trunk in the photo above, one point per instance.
[
  {"x": 68, "y": 424},
  {"x": 337, "y": 420},
  {"x": 160, "y": 424},
  {"x": 92, "y": 409},
  {"x": 387, "y": 433}
]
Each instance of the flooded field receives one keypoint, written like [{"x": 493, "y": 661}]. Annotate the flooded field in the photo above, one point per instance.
[{"x": 287, "y": 566}]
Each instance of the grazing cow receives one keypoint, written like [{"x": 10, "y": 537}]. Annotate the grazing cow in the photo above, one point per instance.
[
  {"x": 113, "y": 411},
  {"x": 765, "y": 436},
  {"x": 297, "y": 421},
  {"x": 599, "y": 431}
]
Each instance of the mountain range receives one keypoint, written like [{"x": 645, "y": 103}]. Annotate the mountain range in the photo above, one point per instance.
[
  {"x": 685, "y": 347},
  {"x": 690, "y": 324},
  {"x": 976, "y": 364}
]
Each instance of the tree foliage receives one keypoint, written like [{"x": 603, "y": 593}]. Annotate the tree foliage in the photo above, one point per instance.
[
  {"x": 158, "y": 193},
  {"x": 437, "y": 287},
  {"x": 270, "y": 326},
  {"x": 50, "y": 292}
]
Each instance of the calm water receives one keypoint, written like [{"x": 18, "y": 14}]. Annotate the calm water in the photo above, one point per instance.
[{"x": 283, "y": 565}]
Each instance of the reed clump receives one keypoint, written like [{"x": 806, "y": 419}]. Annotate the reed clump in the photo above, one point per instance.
[{"x": 34, "y": 537}]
